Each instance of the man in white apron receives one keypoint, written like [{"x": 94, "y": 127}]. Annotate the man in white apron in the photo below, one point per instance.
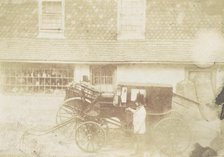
[{"x": 139, "y": 117}]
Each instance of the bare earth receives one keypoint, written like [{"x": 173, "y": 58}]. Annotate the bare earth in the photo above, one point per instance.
[{"x": 22, "y": 113}]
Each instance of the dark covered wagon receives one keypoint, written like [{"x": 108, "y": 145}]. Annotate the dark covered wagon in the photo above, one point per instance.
[{"x": 93, "y": 112}]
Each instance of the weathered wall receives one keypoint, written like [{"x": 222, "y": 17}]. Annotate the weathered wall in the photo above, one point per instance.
[
  {"x": 148, "y": 73},
  {"x": 97, "y": 19},
  {"x": 81, "y": 70},
  {"x": 153, "y": 73}
]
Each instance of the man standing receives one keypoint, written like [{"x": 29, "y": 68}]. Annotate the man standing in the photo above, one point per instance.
[{"x": 139, "y": 117}]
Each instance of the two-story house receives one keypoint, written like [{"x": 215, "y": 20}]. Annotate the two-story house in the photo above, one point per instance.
[{"x": 44, "y": 44}]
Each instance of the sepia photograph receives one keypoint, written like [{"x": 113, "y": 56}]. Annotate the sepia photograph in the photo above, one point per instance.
[{"x": 111, "y": 78}]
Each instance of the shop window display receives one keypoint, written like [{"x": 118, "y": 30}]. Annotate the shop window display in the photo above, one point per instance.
[{"x": 35, "y": 78}]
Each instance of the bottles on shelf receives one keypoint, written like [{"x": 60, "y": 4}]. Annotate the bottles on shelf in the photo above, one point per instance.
[{"x": 27, "y": 79}]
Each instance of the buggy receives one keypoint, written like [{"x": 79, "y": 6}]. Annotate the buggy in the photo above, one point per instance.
[{"x": 92, "y": 112}]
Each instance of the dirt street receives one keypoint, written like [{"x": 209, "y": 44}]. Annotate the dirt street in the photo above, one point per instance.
[{"x": 22, "y": 113}]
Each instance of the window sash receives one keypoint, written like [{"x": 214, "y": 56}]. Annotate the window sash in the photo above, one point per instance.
[
  {"x": 102, "y": 76},
  {"x": 51, "y": 15},
  {"x": 53, "y": 22},
  {"x": 132, "y": 17},
  {"x": 30, "y": 78}
]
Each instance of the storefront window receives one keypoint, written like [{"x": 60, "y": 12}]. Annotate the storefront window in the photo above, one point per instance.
[
  {"x": 103, "y": 77},
  {"x": 35, "y": 78}
]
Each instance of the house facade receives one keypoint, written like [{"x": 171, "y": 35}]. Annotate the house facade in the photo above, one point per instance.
[{"x": 45, "y": 44}]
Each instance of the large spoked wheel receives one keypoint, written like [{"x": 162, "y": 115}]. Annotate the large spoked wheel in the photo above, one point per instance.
[
  {"x": 172, "y": 136},
  {"x": 90, "y": 136},
  {"x": 71, "y": 108},
  {"x": 71, "y": 111}
]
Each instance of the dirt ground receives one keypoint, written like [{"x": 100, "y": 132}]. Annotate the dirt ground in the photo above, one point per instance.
[{"x": 21, "y": 113}]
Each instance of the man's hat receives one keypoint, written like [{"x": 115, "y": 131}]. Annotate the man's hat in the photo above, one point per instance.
[{"x": 140, "y": 98}]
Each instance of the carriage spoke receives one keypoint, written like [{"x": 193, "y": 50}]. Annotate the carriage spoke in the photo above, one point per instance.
[
  {"x": 93, "y": 135},
  {"x": 88, "y": 145},
  {"x": 68, "y": 109}
]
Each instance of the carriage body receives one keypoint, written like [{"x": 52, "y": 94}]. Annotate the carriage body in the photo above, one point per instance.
[{"x": 157, "y": 98}]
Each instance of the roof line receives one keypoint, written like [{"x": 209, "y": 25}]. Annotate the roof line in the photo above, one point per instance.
[{"x": 101, "y": 62}]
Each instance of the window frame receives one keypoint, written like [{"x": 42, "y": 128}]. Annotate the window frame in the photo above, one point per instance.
[
  {"x": 35, "y": 78},
  {"x": 50, "y": 33},
  {"x": 137, "y": 35},
  {"x": 102, "y": 77}
]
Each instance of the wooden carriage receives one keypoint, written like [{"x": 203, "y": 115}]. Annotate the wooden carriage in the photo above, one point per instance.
[{"x": 93, "y": 112}]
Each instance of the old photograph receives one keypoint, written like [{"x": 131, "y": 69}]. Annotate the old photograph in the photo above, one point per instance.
[{"x": 111, "y": 78}]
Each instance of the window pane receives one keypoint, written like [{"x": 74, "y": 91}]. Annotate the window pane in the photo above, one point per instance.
[
  {"x": 132, "y": 17},
  {"x": 51, "y": 7},
  {"x": 34, "y": 78},
  {"x": 52, "y": 15},
  {"x": 102, "y": 75}
]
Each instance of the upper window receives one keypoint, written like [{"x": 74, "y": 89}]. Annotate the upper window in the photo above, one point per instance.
[
  {"x": 131, "y": 19},
  {"x": 51, "y": 18}
]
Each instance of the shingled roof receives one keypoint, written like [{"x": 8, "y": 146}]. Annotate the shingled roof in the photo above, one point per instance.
[
  {"x": 91, "y": 32},
  {"x": 73, "y": 51}
]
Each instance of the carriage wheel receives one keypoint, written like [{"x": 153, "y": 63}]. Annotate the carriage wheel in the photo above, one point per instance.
[
  {"x": 172, "y": 136},
  {"x": 71, "y": 109},
  {"x": 90, "y": 136}
]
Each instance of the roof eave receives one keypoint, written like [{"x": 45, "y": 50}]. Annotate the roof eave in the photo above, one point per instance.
[{"x": 101, "y": 62}]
